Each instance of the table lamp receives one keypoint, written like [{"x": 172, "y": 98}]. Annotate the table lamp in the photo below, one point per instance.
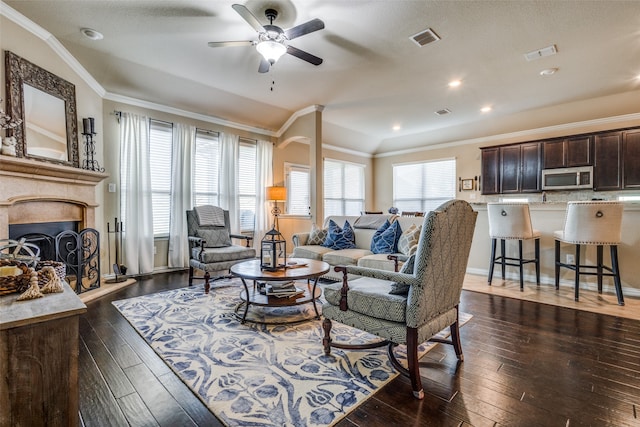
[{"x": 276, "y": 194}]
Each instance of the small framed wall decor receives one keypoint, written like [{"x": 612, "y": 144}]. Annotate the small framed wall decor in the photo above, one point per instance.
[{"x": 467, "y": 184}]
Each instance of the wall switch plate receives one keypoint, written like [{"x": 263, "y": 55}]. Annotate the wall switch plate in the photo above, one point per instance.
[
  {"x": 112, "y": 187},
  {"x": 570, "y": 259}
]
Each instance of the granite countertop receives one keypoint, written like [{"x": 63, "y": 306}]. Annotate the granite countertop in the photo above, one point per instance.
[
  {"x": 556, "y": 205},
  {"x": 15, "y": 313}
]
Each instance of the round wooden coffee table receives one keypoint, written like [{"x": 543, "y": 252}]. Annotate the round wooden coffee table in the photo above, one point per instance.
[{"x": 297, "y": 269}]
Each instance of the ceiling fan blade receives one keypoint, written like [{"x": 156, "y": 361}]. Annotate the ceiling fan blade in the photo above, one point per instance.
[
  {"x": 302, "y": 29},
  {"x": 264, "y": 66},
  {"x": 305, "y": 56},
  {"x": 248, "y": 16},
  {"x": 236, "y": 43}
]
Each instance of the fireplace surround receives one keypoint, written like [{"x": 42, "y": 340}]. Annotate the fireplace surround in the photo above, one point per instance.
[{"x": 34, "y": 192}]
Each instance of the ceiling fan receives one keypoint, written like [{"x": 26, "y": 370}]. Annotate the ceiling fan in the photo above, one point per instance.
[{"x": 272, "y": 40}]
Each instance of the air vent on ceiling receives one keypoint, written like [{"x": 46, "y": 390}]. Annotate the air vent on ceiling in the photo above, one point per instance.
[
  {"x": 541, "y": 53},
  {"x": 443, "y": 112},
  {"x": 425, "y": 37}
]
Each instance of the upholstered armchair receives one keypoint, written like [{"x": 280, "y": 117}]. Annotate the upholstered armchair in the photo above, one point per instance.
[
  {"x": 210, "y": 246},
  {"x": 410, "y": 306}
]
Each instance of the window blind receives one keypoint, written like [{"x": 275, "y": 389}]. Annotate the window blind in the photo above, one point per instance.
[
  {"x": 160, "y": 136},
  {"x": 424, "y": 186},
  {"x": 343, "y": 188},
  {"x": 297, "y": 182},
  {"x": 206, "y": 167},
  {"x": 247, "y": 184}
]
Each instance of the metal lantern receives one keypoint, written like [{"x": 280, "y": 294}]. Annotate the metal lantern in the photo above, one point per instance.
[{"x": 273, "y": 251}]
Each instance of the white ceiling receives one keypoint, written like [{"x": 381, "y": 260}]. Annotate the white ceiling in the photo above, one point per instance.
[{"x": 373, "y": 76}]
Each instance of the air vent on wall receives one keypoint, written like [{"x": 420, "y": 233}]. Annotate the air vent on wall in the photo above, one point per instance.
[
  {"x": 443, "y": 112},
  {"x": 424, "y": 37}
]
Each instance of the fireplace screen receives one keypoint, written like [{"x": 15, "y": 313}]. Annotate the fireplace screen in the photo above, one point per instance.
[{"x": 80, "y": 252}]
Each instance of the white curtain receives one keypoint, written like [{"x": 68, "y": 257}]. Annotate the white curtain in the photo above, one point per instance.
[
  {"x": 182, "y": 157},
  {"x": 229, "y": 153},
  {"x": 264, "y": 179},
  {"x": 136, "y": 194}
]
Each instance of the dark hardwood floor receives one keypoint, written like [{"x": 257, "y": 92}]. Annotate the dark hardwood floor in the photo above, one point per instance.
[{"x": 526, "y": 364}]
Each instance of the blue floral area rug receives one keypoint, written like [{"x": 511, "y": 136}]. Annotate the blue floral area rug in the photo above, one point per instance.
[{"x": 259, "y": 375}]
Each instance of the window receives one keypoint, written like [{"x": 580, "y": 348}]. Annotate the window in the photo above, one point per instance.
[
  {"x": 160, "y": 136},
  {"x": 247, "y": 184},
  {"x": 424, "y": 186},
  {"x": 298, "y": 186},
  {"x": 206, "y": 166},
  {"x": 343, "y": 188}
]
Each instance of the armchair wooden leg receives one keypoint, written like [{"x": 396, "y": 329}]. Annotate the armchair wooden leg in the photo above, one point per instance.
[
  {"x": 412, "y": 363},
  {"x": 455, "y": 339},
  {"x": 207, "y": 286},
  {"x": 326, "y": 340}
]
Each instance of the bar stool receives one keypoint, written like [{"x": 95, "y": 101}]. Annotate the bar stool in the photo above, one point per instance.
[
  {"x": 512, "y": 221},
  {"x": 592, "y": 223}
]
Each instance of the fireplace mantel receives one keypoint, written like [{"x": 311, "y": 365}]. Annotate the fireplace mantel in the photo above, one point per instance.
[
  {"x": 46, "y": 192},
  {"x": 34, "y": 168}
]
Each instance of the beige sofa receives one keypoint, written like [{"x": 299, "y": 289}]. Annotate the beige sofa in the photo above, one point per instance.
[{"x": 364, "y": 227}]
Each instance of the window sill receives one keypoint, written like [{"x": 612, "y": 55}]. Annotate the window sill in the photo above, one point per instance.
[{"x": 288, "y": 216}]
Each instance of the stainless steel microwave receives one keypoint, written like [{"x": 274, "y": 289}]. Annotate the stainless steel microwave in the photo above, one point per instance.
[{"x": 567, "y": 178}]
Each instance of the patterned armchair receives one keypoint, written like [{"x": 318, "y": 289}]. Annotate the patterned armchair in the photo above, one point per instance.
[
  {"x": 210, "y": 247},
  {"x": 411, "y": 306}
]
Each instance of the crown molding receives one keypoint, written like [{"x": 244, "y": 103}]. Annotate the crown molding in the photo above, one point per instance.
[
  {"x": 184, "y": 113},
  {"x": 18, "y": 18},
  {"x": 525, "y": 134},
  {"x": 347, "y": 151},
  {"x": 296, "y": 115}
]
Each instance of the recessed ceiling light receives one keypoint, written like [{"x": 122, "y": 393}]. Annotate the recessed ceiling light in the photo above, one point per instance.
[
  {"x": 396, "y": 127},
  {"x": 91, "y": 34},
  {"x": 455, "y": 83},
  {"x": 485, "y": 109},
  {"x": 548, "y": 71}
]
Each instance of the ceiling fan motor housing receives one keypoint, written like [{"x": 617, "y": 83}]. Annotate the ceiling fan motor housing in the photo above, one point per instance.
[{"x": 271, "y": 15}]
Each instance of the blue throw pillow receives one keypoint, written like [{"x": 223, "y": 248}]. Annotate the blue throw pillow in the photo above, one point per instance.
[
  {"x": 385, "y": 239},
  {"x": 340, "y": 238}
]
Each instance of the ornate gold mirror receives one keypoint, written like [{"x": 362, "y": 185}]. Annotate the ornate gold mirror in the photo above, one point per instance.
[{"x": 47, "y": 105}]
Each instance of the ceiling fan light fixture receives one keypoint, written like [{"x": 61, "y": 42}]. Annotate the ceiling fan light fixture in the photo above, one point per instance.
[{"x": 271, "y": 50}]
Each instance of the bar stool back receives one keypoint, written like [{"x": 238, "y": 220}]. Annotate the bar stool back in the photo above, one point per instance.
[
  {"x": 512, "y": 221},
  {"x": 596, "y": 223}
]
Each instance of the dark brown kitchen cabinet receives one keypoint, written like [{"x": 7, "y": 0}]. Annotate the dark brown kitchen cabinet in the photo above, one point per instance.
[
  {"x": 568, "y": 152},
  {"x": 510, "y": 169},
  {"x": 520, "y": 168},
  {"x": 491, "y": 170},
  {"x": 517, "y": 168},
  {"x": 607, "y": 161},
  {"x": 531, "y": 167},
  {"x": 631, "y": 159}
]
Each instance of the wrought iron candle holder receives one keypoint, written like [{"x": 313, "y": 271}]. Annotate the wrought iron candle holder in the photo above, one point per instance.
[{"x": 88, "y": 130}]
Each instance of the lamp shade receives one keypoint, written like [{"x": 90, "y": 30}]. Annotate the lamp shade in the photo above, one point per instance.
[
  {"x": 277, "y": 193},
  {"x": 271, "y": 50}
]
